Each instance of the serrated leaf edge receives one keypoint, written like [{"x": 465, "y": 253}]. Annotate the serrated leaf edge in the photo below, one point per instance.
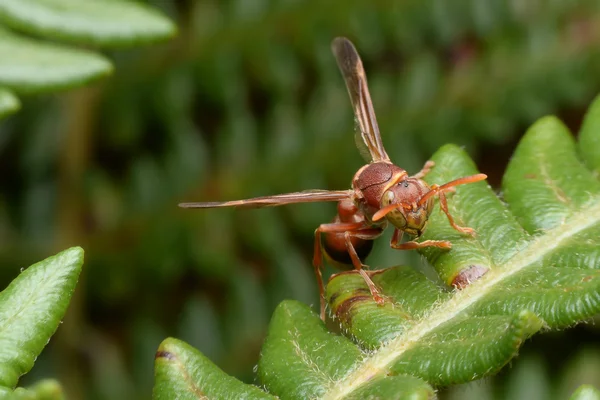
[{"x": 380, "y": 360}]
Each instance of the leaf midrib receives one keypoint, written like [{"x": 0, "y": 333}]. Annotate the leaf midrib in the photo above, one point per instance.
[
  {"x": 46, "y": 282},
  {"x": 380, "y": 360}
]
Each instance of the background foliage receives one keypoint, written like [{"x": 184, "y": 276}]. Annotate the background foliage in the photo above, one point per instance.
[{"x": 248, "y": 101}]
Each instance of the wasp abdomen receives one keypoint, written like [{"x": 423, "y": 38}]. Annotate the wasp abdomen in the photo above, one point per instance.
[
  {"x": 334, "y": 243},
  {"x": 334, "y": 247}
]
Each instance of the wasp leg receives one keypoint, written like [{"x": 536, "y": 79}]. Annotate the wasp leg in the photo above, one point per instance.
[
  {"x": 318, "y": 255},
  {"x": 397, "y": 236},
  {"x": 368, "y": 234},
  {"x": 357, "y": 229},
  {"x": 444, "y": 207},
  {"x": 318, "y": 264},
  {"x": 425, "y": 170}
]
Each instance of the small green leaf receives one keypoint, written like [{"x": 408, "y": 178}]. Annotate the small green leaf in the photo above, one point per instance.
[
  {"x": 302, "y": 360},
  {"x": 47, "y": 389},
  {"x": 371, "y": 324},
  {"x": 546, "y": 167},
  {"x": 589, "y": 139},
  {"x": 31, "y": 309},
  {"x": 498, "y": 233},
  {"x": 28, "y": 65},
  {"x": 182, "y": 372},
  {"x": 107, "y": 23},
  {"x": 9, "y": 103},
  {"x": 586, "y": 392}
]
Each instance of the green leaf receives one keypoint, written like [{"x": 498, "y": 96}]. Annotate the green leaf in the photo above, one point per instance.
[
  {"x": 589, "y": 139},
  {"x": 533, "y": 263},
  {"x": 394, "y": 388},
  {"x": 31, "y": 309},
  {"x": 558, "y": 185},
  {"x": 301, "y": 360},
  {"x": 9, "y": 103},
  {"x": 586, "y": 392},
  {"x": 107, "y": 23},
  {"x": 182, "y": 372},
  {"x": 47, "y": 389},
  {"x": 28, "y": 65}
]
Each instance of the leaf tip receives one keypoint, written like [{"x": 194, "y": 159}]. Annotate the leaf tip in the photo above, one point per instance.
[
  {"x": 594, "y": 108},
  {"x": 74, "y": 253},
  {"x": 586, "y": 392},
  {"x": 546, "y": 128},
  {"x": 290, "y": 307},
  {"x": 449, "y": 149},
  {"x": 452, "y": 147},
  {"x": 164, "y": 354},
  {"x": 451, "y": 162},
  {"x": 9, "y": 103},
  {"x": 528, "y": 323},
  {"x": 169, "y": 346}
]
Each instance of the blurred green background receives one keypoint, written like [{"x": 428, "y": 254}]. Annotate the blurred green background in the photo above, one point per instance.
[{"x": 248, "y": 101}]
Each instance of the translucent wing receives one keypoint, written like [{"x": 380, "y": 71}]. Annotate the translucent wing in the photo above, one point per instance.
[
  {"x": 356, "y": 82},
  {"x": 306, "y": 196}
]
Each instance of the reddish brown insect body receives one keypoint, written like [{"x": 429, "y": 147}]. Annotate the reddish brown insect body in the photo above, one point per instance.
[
  {"x": 381, "y": 192},
  {"x": 334, "y": 243}
]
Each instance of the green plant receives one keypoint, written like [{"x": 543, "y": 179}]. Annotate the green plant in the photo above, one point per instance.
[
  {"x": 30, "y": 65},
  {"x": 586, "y": 392},
  {"x": 537, "y": 249},
  {"x": 534, "y": 378},
  {"x": 31, "y": 309},
  {"x": 257, "y": 78}
]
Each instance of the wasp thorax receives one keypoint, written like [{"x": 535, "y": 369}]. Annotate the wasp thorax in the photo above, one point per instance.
[{"x": 409, "y": 216}]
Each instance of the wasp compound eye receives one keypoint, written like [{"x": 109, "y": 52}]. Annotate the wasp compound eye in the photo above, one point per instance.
[{"x": 388, "y": 198}]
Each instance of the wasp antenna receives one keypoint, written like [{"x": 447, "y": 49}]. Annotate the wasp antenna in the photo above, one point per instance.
[
  {"x": 460, "y": 181},
  {"x": 388, "y": 209}
]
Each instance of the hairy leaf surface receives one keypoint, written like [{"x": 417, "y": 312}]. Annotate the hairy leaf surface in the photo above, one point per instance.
[
  {"x": 99, "y": 22},
  {"x": 533, "y": 264},
  {"x": 31, "y": 309},
  {"x": 182, "y": 372}
]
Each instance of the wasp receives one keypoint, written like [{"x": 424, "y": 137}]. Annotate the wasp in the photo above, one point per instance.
[{"x": 382, "y": 193}]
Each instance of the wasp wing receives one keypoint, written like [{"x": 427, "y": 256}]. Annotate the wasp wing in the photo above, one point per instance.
[
  {"x": 306, "y": 196},
  {"x": 354, "y": 75}
]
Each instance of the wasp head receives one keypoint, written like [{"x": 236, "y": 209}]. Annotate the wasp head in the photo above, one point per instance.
[{"x": 402, "y": 207}]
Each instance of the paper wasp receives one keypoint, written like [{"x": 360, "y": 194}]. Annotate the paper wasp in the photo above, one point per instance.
[{"x": 381, "y": 192}]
